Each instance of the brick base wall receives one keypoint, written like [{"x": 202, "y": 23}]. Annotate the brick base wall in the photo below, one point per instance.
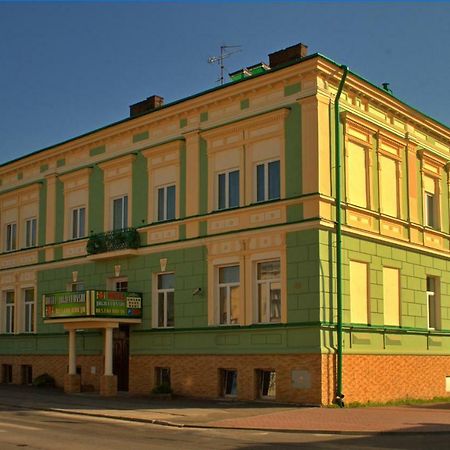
[
  {"x": 199, "y": 375},
  {"x": 392, "y": 377},
  {"x": 56, "y": 366},
  {"x": 376, "y": 378}
]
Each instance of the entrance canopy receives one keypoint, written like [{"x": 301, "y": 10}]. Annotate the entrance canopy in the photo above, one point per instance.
[{"x": 92, "y": 306}]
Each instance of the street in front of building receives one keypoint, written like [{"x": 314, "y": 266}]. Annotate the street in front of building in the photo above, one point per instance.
[
  {"x": 48, "y": 419},
  {"x": 46, "y": 430}
]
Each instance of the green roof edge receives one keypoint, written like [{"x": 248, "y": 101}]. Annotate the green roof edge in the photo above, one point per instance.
[{"x": 217, "y": 88}]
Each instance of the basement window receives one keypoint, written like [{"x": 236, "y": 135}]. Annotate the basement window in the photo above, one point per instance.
[
  {"x": 229, "y": 382},
  {"x": 6, "y": 373},
  {"x": 267, "y": 383},
  {"x": 26, "y": 374},
  {"x": 162, "y": 376}
]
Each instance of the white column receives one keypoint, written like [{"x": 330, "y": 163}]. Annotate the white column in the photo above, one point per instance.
[
  {"x": 72, "y": 353},
  {"x": 108, "y": 351}
]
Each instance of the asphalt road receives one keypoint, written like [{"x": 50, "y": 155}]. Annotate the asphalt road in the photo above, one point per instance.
[{"x": 42, "y": 430}]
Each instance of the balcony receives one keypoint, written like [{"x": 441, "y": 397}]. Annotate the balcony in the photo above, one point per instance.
[{"x": 123, "y": 242}]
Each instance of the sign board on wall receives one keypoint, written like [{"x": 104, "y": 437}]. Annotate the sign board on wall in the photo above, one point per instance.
[{"x": 92, "y": 303}]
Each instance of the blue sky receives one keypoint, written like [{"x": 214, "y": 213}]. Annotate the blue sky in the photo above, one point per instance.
[{"x": 68, "y": 68}]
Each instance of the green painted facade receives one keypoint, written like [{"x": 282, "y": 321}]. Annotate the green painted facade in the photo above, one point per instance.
[
  {"x": 96, "y": 200},
  {"x": 139, "y": 184}
]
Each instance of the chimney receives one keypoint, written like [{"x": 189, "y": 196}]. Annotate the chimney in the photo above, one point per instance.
[
  {"x": 287, "y": 55},
  {"x": 151, "y": 103}
]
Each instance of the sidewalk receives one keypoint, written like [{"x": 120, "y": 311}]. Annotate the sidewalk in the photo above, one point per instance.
[{"x": 234, "y": 415}]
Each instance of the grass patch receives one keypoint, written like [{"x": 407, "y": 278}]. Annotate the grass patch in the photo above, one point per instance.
[{"x": 400, "y": 402}]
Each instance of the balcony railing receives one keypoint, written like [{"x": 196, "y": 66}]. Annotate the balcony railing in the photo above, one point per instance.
[{"x": 125, "y": 238}]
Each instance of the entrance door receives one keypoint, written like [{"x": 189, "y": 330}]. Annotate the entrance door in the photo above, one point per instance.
[{"x": 121, "y": 341}]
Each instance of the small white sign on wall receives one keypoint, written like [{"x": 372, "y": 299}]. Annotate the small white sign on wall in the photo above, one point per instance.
[
  {"x": 301, "y": 379},
  {"x": 447, "y": 384}
]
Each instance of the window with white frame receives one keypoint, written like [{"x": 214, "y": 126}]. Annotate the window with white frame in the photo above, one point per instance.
[
  {"x": 228, "y": 189},
  {"x": 30, "y": 232},
  {"x": 268, "y": 181},
  {"x": 9, "y": 312},
  {"x": 11, "y": 237},
  {"x": 430, "y": 202},
  {"x": 166, "y": 202},
  {"x": 165, "y": 299},
  {"x": 78, "y": 222},
  {"x": 120, "y": 212},
  {"x": 229, "y": 295},
  {"x": 268, "y": 291},
  {"x": 432, "y": 303},
  {"x": 29, "y": 307},
  {"x": 429, "y": 209}
]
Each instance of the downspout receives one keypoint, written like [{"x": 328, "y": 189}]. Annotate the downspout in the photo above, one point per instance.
[{"x": 339, "y": 394}]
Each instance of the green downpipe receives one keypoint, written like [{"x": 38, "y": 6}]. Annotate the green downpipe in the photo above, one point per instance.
[{"x": 339, "y": 393}]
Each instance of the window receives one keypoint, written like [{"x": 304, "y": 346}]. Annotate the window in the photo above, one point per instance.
[
  {"x": 228, "y": 189},
  {"x": 30, "y": 232},
  {"x": 76, "y": 287},
  {"x": 166, "y": 203},
  {"x": 391, "y": 296},
  {"x": 229, "y": 295},
  {"x": 27, "y": 374},
  {"x": 267, "y": 383},
  {"x": 28, "y": 297},
  {"x": 9, "y": 312},
  {"x": 78, "y": 223},
  {"x": 269, "y": 291},
  {"x": 7, "y": 373},
  {"x": 165, "y": 293},
  {"x": 162, "y": 376},
  {"x": 429, "y": 210},
  {"x": 120, "y": 213},
  {"x": 432, "y": 303},
  {"x": 358, "y": 292},
  {"x": 11, "y": 233},
  {"x": 356, "y": 174},
  {"x": 430, "y": 205},
  {"x": 121, "y": 285},
  {"x": 229, "y": 382},
  {"x": 268, "y": 181}
]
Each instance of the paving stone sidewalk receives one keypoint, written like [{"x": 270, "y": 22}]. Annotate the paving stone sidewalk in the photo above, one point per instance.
[{"x": 235, "y": 415}]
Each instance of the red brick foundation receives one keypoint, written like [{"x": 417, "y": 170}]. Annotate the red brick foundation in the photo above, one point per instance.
[
  {"x": 72, "y": 383},
  {"x": 108, "y": 385},
  {"x": 57, "y": 367},
  {"x": 376, "y": 378},
  {"x": 382, "y": 378},
  {"x": 199, "y": 375}
]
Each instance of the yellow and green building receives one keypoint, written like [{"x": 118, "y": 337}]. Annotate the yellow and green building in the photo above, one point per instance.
[{"x": 201, "y": 244}]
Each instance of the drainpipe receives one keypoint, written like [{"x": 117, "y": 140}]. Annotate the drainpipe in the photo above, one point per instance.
[{"x": 339, "y": 394}]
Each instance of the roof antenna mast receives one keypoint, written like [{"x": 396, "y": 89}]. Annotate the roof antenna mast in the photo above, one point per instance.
[{"x": 225, "y": 52}]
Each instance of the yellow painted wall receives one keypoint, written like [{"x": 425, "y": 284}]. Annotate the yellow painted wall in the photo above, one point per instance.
[
  {"x": 388, "y": 186},
  {"x": 358, "y": 292},
  {"x": 356, "y": 174},
  {"x": 391, "y": 296}
]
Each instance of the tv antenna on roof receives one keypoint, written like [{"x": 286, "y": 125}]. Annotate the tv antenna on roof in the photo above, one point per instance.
[{"x": 225, "y": 52}]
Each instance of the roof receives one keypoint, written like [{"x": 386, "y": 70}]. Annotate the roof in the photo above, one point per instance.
[{"x": 217, "y": 88}]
